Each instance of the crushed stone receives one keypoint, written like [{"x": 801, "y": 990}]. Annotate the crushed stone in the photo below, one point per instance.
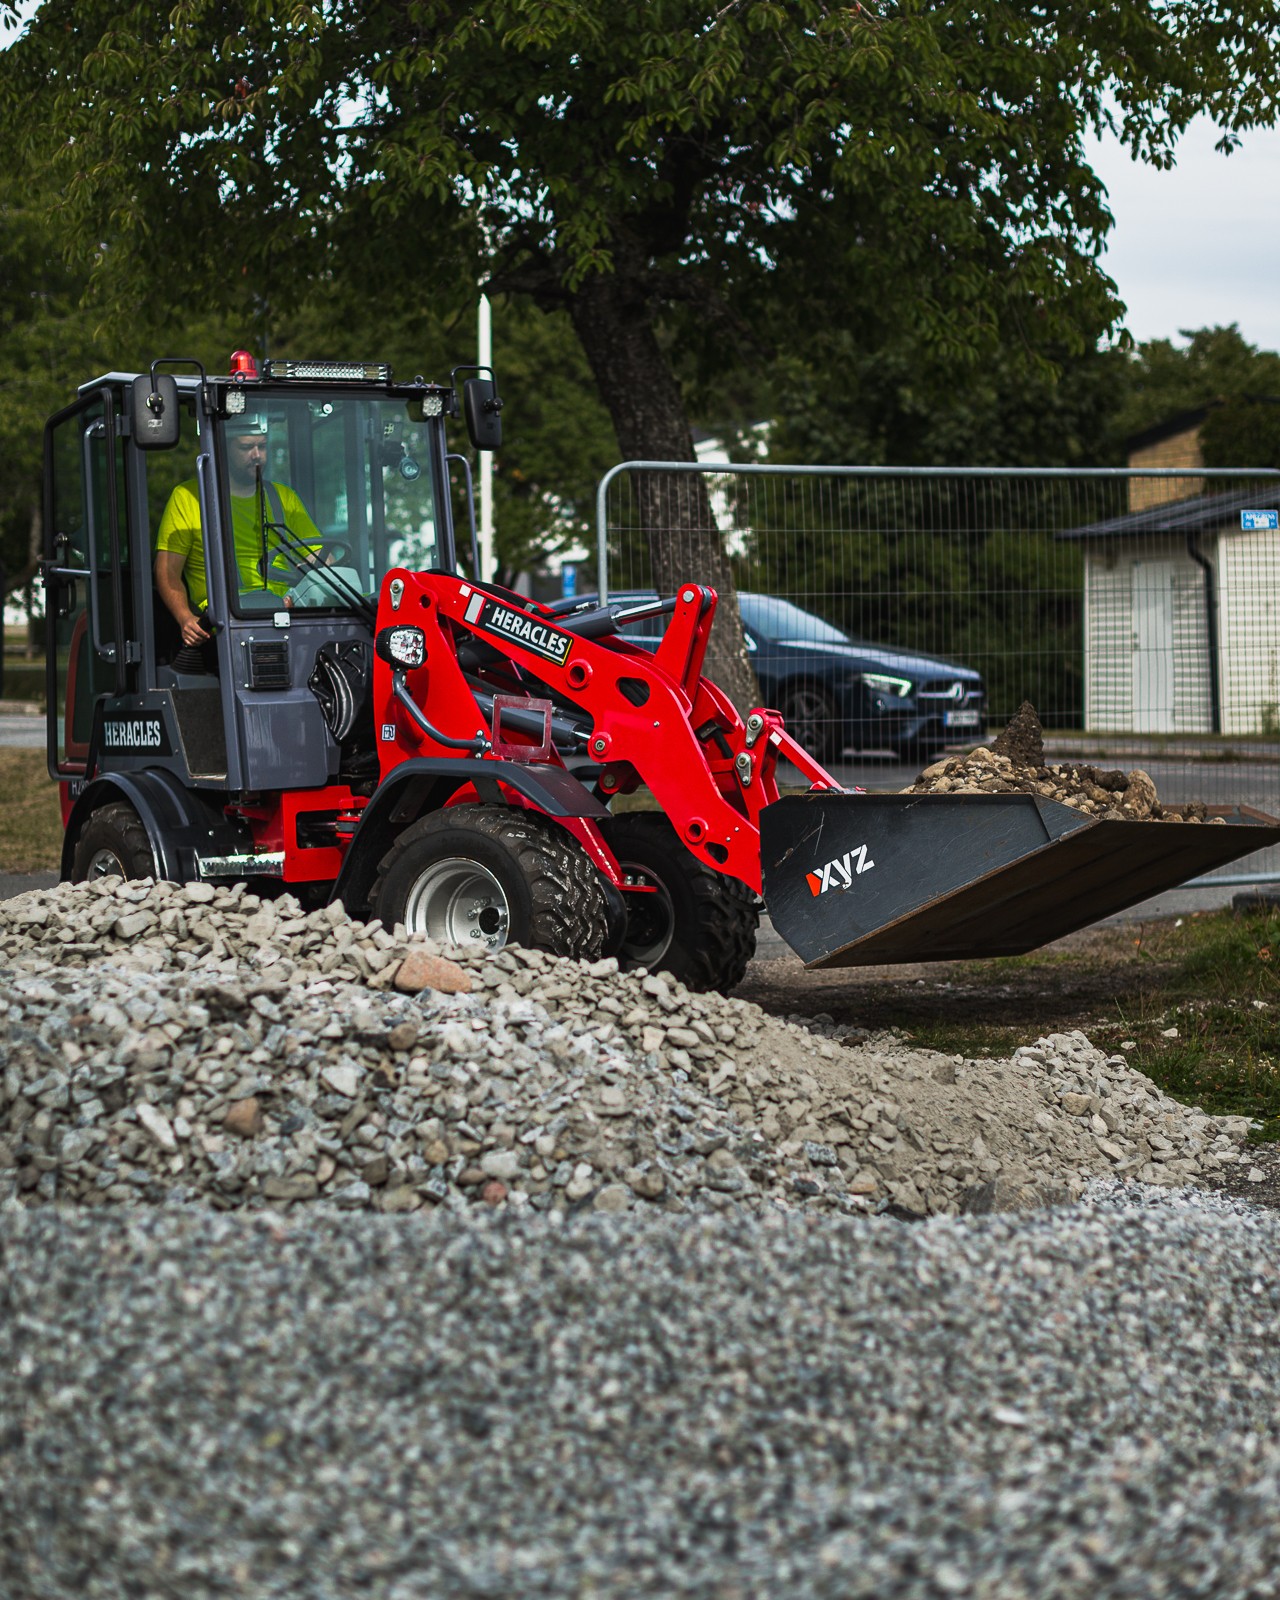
[
  {"x": 165, "y": 1046},
  {"x": 1076, "y": 1403}
]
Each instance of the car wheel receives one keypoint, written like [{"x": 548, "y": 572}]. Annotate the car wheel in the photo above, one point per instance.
[
  {"x": 812, "y": 719},
  {"x": 484, "y": 877},
  {"x": 113, "y": 844},
  {"x": 698, "y": 924}
]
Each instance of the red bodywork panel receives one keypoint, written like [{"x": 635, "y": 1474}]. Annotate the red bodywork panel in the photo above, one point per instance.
[
  {"x": 331, "y": 814},
  {"x": 644, "y": 711}
]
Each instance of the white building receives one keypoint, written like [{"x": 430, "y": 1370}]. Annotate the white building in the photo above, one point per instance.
[{"x": 1182, "y": 616}]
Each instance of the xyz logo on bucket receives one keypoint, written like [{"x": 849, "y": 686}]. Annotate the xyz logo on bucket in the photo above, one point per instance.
[{"x": 841, "y": 872}]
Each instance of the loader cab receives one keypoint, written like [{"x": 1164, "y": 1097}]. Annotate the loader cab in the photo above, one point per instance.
[{"x": 349, "y": 478}]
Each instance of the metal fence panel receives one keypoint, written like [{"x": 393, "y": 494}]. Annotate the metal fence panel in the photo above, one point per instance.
[{"x": 1136, "y": 611}]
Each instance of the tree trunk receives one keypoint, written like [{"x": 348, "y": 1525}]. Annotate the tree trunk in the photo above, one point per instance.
[{"x": 614, "y": 323}]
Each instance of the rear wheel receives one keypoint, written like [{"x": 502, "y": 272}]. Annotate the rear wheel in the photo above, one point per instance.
[
  {"x": 113, "y": 844},
  {"x": 812, "y": 719},
  {"x": 485, "y": 876},
  {"x": 698, "y": 924}
]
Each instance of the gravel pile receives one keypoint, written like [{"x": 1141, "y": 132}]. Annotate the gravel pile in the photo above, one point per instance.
[
  {"x": 181, "y": 1045},
  {"x": 223, "y": 1372},
  {"x": 1014, "y": 764},
  {"x": 1073, "y": 1404}
]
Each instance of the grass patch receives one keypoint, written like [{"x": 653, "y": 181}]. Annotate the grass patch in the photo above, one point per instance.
[
  {"x": 1223, "y": 1058},
  {"x": 30, "y": 821},
  {"x": 967, "y": 1039},
  {"x": 1210, "y": 1034},
  {"x": 24, "y": 681}
]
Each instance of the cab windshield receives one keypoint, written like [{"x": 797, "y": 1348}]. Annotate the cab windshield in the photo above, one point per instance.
[{"x": 326, "y": 492}]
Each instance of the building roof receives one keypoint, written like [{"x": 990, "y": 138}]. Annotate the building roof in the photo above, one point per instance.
[
  {"x": 1196, "y": 514},
  {"x": 1182, "y": 422}
]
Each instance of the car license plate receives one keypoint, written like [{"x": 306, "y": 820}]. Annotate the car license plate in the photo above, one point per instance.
[{"x": 960, "y": 719}]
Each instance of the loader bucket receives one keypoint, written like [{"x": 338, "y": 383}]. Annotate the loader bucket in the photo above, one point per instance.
[{"x": 862, "y": 879}]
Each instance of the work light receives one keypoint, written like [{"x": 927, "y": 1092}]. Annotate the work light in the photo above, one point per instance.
[{"x": 402, "y": 647}]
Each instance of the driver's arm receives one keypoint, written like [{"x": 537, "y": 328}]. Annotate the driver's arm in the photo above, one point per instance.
[
  {"x": 173, "y": 591},
  {"x": 305, "y": 533}
]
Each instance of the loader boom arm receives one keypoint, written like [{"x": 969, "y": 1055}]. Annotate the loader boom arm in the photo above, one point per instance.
[{"x": 646, "y": 719}]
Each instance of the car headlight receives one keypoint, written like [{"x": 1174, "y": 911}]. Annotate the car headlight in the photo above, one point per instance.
[{"x": 881, "y": 683}]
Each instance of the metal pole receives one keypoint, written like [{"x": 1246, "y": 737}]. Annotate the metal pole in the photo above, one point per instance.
[{"x": 484, "y": 358}]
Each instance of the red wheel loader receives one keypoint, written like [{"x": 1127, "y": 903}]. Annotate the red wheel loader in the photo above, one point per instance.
[{"x": 358, "y": 719}]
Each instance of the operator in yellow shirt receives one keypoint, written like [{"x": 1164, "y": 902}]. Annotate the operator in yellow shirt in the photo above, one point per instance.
[{"x": 266, "y": 559}]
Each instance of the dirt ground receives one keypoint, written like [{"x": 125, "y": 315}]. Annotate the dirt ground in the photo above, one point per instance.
[{"x": 1047, "y": 995}]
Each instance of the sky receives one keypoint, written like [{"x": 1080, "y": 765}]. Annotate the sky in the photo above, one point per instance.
[{"x": 1198, "y": 246}]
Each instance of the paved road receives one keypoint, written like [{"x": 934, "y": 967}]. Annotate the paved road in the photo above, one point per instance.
[
  {"x": 1243, "y": 783},
  {"x": 22, "y": 732}
]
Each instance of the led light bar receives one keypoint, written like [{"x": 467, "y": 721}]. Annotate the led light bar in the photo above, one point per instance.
[{"x": 313, "y": 371}]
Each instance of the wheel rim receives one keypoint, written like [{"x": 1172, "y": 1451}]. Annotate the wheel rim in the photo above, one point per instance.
[
  {"x": 650, "y": 919},
  {"x": 105, "y": 863},
  {"x": 807, "y": 715},
  {"x": 459, "y": 902}
]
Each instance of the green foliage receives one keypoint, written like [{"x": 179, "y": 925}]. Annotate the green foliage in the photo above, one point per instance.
[
  {"x": 1162, "y": 379},
  {"x": 896, "y": 196},
  {"x": 1242, "y": 433},
  {"x": 706, "y": 156},
  {"x": 888, "y": 403},
  {"x": 557, "y": 444},
  {"x": 46, "y": 348},
  {"x": 51, "y": 342}
]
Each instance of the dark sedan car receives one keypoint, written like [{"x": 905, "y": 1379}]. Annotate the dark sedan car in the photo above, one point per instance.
[{"x": 838, "y": 693}]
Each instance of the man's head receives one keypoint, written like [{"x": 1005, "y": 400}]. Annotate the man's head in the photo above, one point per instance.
[{"x": 246, "y": 437}]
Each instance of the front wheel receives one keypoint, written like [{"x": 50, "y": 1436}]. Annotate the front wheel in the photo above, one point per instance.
[
  {"x": 484, "y": 877},
  {"x": 113, "y": 844},
  {"x": 695, "y": 923}
]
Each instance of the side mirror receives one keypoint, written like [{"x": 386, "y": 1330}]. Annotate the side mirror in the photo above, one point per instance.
[
  {"x": 153, "y": 412},
  {"x": 483, "y": 409}
]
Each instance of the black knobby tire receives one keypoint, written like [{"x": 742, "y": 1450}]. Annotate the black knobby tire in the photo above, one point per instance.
[
  {"x": 113, "y": 844},
  {"x": 812, "y": 719},
  {"x": 700, "y": 926},
  {"x": 486, "y": 876}
]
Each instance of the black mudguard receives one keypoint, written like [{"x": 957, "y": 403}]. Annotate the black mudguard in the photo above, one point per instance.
[
  {"x": 417, "y": 787},
  {"x": 181, "y": 823}
]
